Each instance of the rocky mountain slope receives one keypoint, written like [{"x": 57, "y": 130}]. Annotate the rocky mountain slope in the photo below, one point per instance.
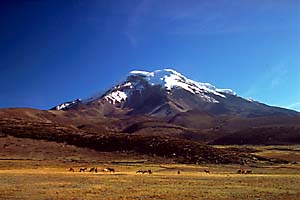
[{"x": 165, "y": 93}]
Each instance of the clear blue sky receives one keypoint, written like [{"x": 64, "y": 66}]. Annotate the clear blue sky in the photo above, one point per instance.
[{"x": 54, "y": 51}]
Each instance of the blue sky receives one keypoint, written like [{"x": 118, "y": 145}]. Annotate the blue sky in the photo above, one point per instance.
[{"x": 54, "y": 51}]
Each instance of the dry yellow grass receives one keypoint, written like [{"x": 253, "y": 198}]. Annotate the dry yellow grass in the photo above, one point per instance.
[
  {"x": 31, "y": 169},
  {"x": 55, "y": 182}
]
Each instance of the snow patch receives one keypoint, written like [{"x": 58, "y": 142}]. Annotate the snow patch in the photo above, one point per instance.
[
  {"x": 139, "y": 72},
  {"x": 62, "y": 106},
  {"x": 116, "y": 96},
  {"x": 67, "y": 104},
  {"x": 226, "y": 91},
  {"x": 249, "y": 99}
]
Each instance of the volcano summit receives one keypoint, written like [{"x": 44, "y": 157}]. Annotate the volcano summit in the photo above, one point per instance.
[{"x": 165, "y": 93}]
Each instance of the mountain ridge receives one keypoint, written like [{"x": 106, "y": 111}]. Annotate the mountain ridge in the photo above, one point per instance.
[{"x": 167, "y": 92}]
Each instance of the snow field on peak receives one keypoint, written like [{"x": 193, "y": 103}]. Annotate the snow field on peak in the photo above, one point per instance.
[{"x": 169, "y": 79}]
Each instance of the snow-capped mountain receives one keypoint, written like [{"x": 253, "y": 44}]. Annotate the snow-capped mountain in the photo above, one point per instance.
[
  {"x": 167, "y": 93},
  {"x": 168, "y": 79}
]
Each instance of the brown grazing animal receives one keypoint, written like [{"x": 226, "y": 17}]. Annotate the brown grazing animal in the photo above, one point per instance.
[
  {"x": 111, "y": 170},
  {"x": 244, "y": 171},
  {"x": 92, "y": 169},
  {"x": 82, "y": 169},
  {"x": 147, "y": 172},
  {"x": 71, "y": 170}
]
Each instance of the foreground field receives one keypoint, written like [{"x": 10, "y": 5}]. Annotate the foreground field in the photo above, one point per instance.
[
  {"x": 36, "y": 180},
  {"x": 35, "y": 169}
]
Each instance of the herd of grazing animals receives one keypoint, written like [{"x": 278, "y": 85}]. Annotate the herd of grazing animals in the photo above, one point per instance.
[
  {"x": 244, "y": 171},
  {"x": 93, "y": 169},
  {"x": 112, "y": 170},
  {"x": 144, "y": 172}
]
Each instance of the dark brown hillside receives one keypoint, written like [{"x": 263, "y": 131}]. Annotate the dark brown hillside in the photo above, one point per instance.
[
  {"x": 195, "y": 119},
  {"x": 274, "y": 135},
  {"x": 179, "y": 150},
  {"x": 235, "y": 123}
]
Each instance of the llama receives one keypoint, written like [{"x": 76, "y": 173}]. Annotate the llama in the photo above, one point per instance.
[
  {"x": 147, "y": 172},
  {"x": 82, "y": 169},
  {"x": 92, "y": 169},
  {"x": 71, "y": 170},
  {"x": 144, "y": 172},
  {"x": 111, "y": 170}
]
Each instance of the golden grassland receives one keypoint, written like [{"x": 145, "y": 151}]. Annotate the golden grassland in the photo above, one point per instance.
[
  {"x": 36, "y": 180},
  {"x": 289, "y": 153},
  {"x": 32, "y": 169}
]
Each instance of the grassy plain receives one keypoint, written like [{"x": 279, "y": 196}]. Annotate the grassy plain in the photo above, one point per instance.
[
  {"x": 31, "y": 180},
  {"x": 31, "y": 169}
]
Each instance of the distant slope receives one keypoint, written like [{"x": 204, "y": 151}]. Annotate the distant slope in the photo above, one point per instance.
[
  {"x": 275, "y": 135},
  {"x": 180, "y": 150}
]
